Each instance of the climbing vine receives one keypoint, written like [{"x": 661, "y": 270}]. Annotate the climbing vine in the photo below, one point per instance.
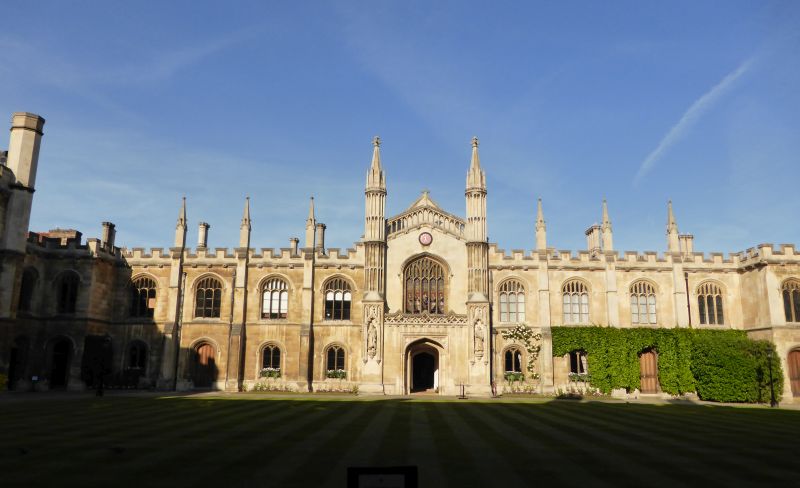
[
  {"x": 720, "y": 365},
  {"x": 530, "y": 340}
]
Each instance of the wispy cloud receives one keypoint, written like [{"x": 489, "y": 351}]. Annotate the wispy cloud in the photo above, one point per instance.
[{"x": 697, "y": 109}]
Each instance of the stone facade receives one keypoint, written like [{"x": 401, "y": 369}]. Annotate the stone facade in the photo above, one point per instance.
[{"x": 420, "y": 303}]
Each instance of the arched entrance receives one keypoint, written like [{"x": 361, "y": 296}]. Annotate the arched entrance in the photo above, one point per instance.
[
  {"x": 204, "y": 370},
  {"x": 794, "y": 371},
  {"x": 59, "y": 364},
  {"x": 422, "y": 367},
  {"x": 648, "y": 367}
]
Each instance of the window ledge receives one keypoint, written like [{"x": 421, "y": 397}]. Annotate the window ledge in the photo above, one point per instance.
[{"x": 335, "y": 322}]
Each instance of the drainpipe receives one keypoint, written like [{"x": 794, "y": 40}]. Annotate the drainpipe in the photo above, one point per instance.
[{"x": 688, "y": 299}]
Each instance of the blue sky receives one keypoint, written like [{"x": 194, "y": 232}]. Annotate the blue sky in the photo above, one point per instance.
[{"x": 573, "y": 102}]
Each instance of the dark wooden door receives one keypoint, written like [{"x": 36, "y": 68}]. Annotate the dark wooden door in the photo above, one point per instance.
[
  {"x": 205, "y": 370},
  {"x": 60, "y": 364},
  {"x": 423, "y": 366},
  {"x": 794, "y": 372},
  {"x": 648, "y": 365}
]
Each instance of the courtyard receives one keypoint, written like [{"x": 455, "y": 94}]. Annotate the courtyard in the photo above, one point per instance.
[{"x": 296, "y": 440}]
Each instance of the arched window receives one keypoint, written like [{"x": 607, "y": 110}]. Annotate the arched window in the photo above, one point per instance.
[
  {"x": 337, "y": 299},
  {"x": 67, "y": 292},
  {"x": 334, "y": 364},
  {"x": 274, "y": 299},
  {"x": 709, "y": 303},
  {"x": 143, "y": 297},
  {"x": 271, "y": 361},
  {"x": 208, "y": 298},
  {"x": 512, "y": 301},
  {"x": 643, "y": 303},
  {"x": 791, "y": 300},
  {"x": 29, "y": 279},
  {"x": 137, "y": 356},
  {"x": 578, "y": 362},
  {"x": 424, "y": 286},
  {"x": 513, "y": 360},
  {"x": 576, "y": 302}
]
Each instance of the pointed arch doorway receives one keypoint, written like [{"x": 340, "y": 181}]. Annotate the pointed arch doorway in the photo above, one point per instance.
[{"x": 423, "y": 367}]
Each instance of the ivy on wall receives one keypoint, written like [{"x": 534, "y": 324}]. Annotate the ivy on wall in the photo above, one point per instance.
[
  {"x": 721, "y": 365},
  {"x": 530, "y": 340}
]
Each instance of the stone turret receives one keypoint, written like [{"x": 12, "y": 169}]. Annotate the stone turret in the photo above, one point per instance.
[
  {"x": 245, "y": 227},
  {"x": 673, "y": 241},
  {"x": 476, "y": 226},
  {"x": 375, "y": 224},
  {"x": 541, "y": 228}
]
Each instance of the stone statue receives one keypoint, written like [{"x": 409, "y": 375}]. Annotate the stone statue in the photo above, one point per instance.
[
  {"x": 372, "y": 339},
  {"x": 480, "y": 333}
]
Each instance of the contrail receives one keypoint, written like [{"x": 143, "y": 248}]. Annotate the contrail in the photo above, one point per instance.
[{"x": 689, "y": 117}]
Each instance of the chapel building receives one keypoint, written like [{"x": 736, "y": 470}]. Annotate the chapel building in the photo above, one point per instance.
[{"x": 419, "y": 304}]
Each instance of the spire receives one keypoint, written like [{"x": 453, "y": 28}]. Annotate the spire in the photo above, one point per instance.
[
  {"x": 476, "y": 179},
  {"x": 375, "y": 178},
  {"x": 244, "y": 229},
  {"x": 180, "y": 228},
  {"x": 606, "y": 222},
  {"x": 673, "y": 242},
  {"x": 246, "y": 215},
  {"x": 311, "y": 224},
  {"x": 608, "y": 239},
  {"x": 541, "y": 228}
]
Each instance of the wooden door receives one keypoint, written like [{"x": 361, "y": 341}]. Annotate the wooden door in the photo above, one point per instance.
[
  {"x": 794, "y": 371},
  {"x": 205, "y": 370},
  {"x": 648, "y": 366}
]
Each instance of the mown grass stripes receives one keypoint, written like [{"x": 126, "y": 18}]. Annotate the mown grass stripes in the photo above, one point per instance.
[{"x": 251, "y": 440}]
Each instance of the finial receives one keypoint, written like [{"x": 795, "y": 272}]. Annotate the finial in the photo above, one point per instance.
[
  {"x": 474, "y": 141},
  {"x": 376, "y": 141}
]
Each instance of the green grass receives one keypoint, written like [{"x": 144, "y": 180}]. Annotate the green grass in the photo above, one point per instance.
[{"x": 260, "y": 440}]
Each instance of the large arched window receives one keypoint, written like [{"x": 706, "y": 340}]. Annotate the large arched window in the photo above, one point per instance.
[
  {"x": 513, "y": 360},
  {"x": 270, "y": 361},
  {"x": 338, "y": 299},
  {"x": 578, "y": 362},
  {"x": 29, "y": 279},
  {"x": 576, "y": 302},
  {"x": 137, "y": 356},
  {"x": 791, "y": 300},
  {"x": 334, "y": 364},
  {"x": 424, "y": 286},
  {"x": 208, "y": 298},
  {"x": 512, "y": 301},
  {"x": 274, "y": 299},
  {"x": 709, "y": 303},
  {"x": 67, "y": 292},
  {"x": 143, "y": 297},
  {"x": 643, "y": 303}
]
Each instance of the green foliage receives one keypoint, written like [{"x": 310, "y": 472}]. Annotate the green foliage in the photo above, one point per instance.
[
  {"x": 720, "y": 365},
  {"x": 530, "y": 340},
  {"x": 3, "y": 381}
]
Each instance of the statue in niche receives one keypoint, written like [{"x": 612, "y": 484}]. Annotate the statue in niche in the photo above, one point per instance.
[
  {"x": 480, "y": 334},
  {"x": 372, "y": 339}
]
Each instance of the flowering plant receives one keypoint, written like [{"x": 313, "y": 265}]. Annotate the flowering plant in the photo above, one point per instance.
[
  {"x": 336, "y": 373},
  {"x": 530, "y": 340},
  {"x": 514, "y": 376},
  {"x": 270, "y": 373}
]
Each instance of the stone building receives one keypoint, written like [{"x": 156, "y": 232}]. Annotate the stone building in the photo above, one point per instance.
[{"x": 420, "y": 303}]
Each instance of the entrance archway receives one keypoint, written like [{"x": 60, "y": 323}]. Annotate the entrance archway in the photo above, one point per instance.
[
  {"x": 422, "y": 367},
  {"x": 794, "y": 371},
  {"x": 59, "y": 366},
  {"x": 204, "y": 372},
  {"x": 648, "y": 367}
]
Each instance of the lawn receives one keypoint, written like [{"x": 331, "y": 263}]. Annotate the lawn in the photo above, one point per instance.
[{"x": 260, "y": 440}]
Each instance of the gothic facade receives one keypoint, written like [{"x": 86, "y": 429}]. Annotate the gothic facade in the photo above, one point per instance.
[{"x": 420, "y": 303}]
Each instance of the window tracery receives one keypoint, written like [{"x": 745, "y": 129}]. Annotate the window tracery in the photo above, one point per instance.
[
  {"x": 512, "y": 301},
  {"x": 143, "y": 297},
  {"x": 576, "y": 302},
  {"x": 709, "y": 303},
  {"x": 643, "y": 303},
  {"x": 208, "y": 298},
  {"x": 275, "y": 299},
  {"x": 338, "y": 299},
  {"x": 791, "y": 300},
  {"x": 424, "y": 283}
]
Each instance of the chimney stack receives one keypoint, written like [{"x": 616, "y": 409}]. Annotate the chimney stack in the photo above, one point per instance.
[
  {"x": 320, "y": 244},
  {"x": 202, "y": 235},
  {"x": 23, "y": 147},
  {"x": 109, "y": 233},
  {"x": 294, "y": 243},
  {"x": 593, "y": 234}
]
